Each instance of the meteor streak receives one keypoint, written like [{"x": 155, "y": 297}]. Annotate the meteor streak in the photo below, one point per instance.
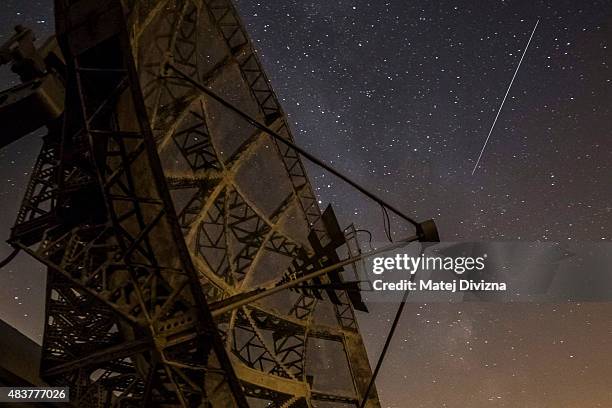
[{"x": 505, "y": 96}]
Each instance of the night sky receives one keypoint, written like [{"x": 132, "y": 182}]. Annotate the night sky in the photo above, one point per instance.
[{"x": 400, "y": 95}]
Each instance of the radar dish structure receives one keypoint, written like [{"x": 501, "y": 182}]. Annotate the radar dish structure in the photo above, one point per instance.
[{"x": 153, "y": 205}]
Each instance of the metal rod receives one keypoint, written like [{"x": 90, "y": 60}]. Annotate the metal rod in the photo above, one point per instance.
[
  {"x": 383, "y": 353},
  {"x": 275, "y": 289},
  {"x": 290, "y": 144}
]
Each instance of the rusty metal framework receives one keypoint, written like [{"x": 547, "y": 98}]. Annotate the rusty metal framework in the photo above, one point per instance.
[{"x": 150, "y": 202}]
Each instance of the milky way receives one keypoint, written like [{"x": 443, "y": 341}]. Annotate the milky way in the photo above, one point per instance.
[{"x": 400, "y": 96}]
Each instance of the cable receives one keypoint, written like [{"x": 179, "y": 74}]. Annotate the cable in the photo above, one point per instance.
[
  {"x": 386, "y": 223},
  {"x": 289, "y": 143},
  {"x": 369, "y": 237},
  {"x": 9, "y": 258}
]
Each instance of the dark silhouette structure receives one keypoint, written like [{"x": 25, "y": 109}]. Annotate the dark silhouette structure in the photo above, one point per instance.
[{"x": 153, "y": 206}]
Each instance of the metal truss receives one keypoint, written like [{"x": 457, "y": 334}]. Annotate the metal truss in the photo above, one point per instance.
[
  {"x": 129, "y": 276},
  {"x": 37, "y": 208},
  {"x": 127, "y": 322},
  {"x": 228, "y": 234}
]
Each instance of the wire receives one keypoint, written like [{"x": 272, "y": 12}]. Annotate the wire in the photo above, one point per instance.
[
  {"x": 9, "y": 258},
  {"x": 279, "y": 138},
  {"x": 369, "y": 237},
  {"x": 386, "y": 223}
]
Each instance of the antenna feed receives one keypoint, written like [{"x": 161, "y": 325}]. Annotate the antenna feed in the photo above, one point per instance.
[{"x": 428, "y": 231}]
